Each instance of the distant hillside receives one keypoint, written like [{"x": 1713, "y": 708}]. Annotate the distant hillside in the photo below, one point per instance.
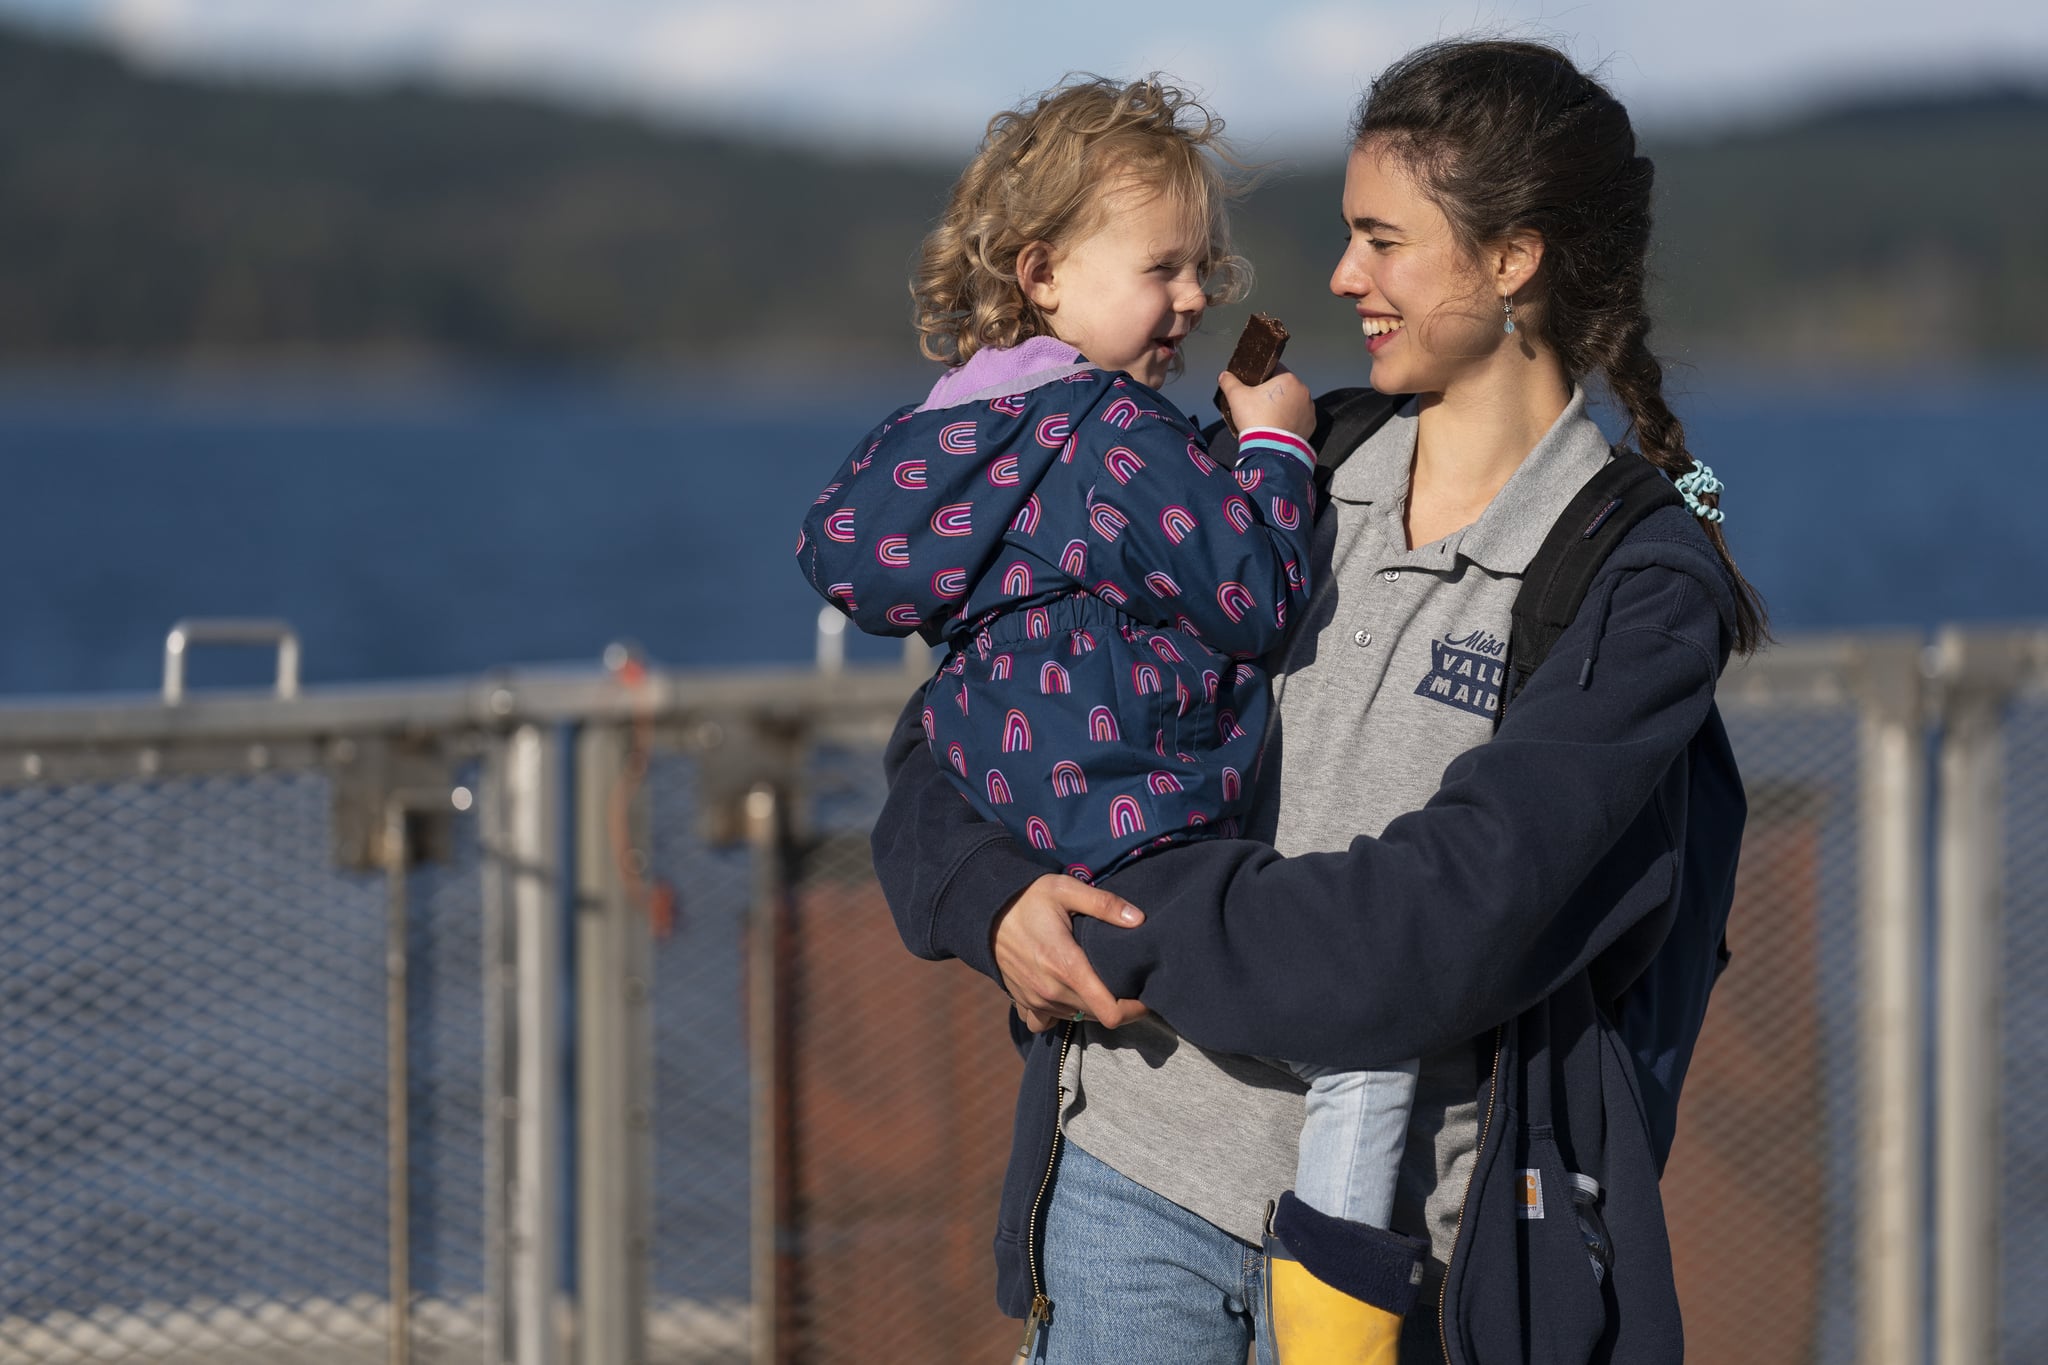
[{"x": 144, "y": 218}]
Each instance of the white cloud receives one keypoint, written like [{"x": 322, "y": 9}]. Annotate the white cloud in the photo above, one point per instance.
[{"x": 932, "y": 71}]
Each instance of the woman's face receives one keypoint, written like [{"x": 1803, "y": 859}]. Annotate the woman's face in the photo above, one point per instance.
[{"x": 1428, "y": 310}]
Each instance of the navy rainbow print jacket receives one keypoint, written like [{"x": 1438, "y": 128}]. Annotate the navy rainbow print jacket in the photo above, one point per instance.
[{"x": 1103, "y": 586}]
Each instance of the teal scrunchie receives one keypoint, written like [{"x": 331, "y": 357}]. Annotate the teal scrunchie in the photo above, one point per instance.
[{"x": 1695, "y": 485}]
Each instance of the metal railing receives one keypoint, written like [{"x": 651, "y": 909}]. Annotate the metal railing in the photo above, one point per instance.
[{"x": 555, "y": 1016}]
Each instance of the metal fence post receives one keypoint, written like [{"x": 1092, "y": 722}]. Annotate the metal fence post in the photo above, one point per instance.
[
  {"x": 614, "y": 1049},
  {"x": 767, "y": 1051},
  {"x": 522, "y": 820},
  {"x": 1977, "y": 672},
  {"x": 1891, "y": 1251}
]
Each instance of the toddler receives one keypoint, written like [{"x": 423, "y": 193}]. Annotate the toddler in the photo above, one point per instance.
[{"x": 1101, "y": 583}]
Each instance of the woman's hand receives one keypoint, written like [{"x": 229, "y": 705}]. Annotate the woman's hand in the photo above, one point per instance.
[
  {"x": 1282, "y": 401},
  {"x": 1043, "y": 968}
]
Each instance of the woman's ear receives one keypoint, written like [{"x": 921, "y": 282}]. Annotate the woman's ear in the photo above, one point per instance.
[
  {"x": 1035, "y": 276},
  {"x": 1515, "y": 261}
]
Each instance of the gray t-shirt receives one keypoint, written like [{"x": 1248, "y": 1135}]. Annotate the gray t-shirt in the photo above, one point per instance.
[{"x": 1393, "y": 672}]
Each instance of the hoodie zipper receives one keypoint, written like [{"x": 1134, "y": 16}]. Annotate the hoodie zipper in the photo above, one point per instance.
[
  {"x": 1041, "y": 1306},
  {"x": 1443, "y": 1293}
]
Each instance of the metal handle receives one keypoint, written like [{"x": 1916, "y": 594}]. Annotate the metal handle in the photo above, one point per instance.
[{"x": 230, "y": 631}]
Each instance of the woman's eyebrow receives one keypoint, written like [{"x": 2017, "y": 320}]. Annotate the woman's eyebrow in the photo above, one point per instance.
[{"x": 1367, "y": 223}]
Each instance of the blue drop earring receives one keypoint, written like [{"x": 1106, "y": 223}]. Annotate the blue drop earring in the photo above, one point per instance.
[{"x": 1507, "y": 307}]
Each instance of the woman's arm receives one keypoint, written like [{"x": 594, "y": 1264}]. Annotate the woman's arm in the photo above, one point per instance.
[{"x": 1450, "y": 922}]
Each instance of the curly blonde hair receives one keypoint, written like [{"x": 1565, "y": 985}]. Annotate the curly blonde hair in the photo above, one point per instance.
[{"x": 1041, "y": 175}]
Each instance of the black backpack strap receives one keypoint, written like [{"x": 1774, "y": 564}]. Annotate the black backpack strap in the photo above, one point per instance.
[
  {"x": 1610, "y": 505},
  {"x": 1344, "y": 419}
]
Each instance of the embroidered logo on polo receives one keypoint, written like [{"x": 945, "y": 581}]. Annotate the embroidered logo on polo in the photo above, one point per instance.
[{"x": 1466, "y": 672}]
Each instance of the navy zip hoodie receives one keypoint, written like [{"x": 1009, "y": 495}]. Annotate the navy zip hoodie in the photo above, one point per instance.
[{"x": 1513, "y": 907}]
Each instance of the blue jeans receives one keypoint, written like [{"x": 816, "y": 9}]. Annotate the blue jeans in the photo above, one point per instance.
[
  {"x": 1352, "y": 1139},
  {"x": 1136, "y": 1279}
]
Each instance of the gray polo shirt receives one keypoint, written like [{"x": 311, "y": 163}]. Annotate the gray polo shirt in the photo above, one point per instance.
[{"x": 1394, "y": 671}]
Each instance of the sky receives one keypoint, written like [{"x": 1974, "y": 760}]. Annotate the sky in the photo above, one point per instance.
[{"x": 926, "y": 74}]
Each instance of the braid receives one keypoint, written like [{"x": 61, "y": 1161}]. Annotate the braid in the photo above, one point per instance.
[{"x": 1636, "y": 380}]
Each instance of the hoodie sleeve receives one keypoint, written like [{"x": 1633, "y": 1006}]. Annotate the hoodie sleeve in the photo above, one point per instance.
[
  {"x": 1173, "y": 537},
  {"x": 846, "y": 546},
  {"x": 1509, "y": 881}
]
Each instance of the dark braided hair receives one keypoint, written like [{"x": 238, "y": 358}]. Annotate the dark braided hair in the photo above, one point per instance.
[{"x": 1510, "y": 137}]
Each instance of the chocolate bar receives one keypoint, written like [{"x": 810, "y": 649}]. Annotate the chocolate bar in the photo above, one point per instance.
[{"x": 1255, "y": 359}]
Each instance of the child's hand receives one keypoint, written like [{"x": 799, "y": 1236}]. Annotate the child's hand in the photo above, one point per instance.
[{"x": 1282, "y": 401}]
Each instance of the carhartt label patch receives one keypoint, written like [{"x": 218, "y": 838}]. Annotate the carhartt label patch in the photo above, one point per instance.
[
  {"x": 1465, "y": 672},
  {"x": 1530, "y": 1204}
]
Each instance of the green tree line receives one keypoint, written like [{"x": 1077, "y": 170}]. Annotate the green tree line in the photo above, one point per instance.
[{"x": 146, "y": 218}]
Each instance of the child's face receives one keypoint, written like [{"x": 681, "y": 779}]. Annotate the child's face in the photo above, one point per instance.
[{"x": 1129, "y": 292}]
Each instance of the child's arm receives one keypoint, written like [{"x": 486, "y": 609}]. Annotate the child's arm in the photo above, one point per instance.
[
  {"x": 843, "y": 547},
  {"x": 1224, "y": 553}
]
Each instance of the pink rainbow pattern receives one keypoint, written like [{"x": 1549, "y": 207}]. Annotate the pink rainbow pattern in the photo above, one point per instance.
[
  {"x": 1121, "y": 414},
  {"x": 958, "y": 439},
  {"x": 1227, "y": 727},
  {"x": 1053, "y": 431},
  {"x": 1178, "y": 523},
  {"x": 1285, "y": 514},
  {"x": 1144, "y": 679},
  {"x": 1125, "y": 819},
  {"x": 1166, "y": 649},
  {"x": 1074, "y": 558},
  {"x": 910, "y": 475},
  {"x": 1122, "y": 463},
  {"x": 1068, "y": 779},
  {"x": 1162, "y": 584},
  {"x": 930, "y": 728},
  {"x": 1016, "y": 731},
  {"x": 1080, "y": 642},
  {"x": 1102, "y": 726},
  {"x": 1111, "y": 593},
  {"x": 1038, "y": 833},
  {"x": 1162, "y": 783},
  {"x": 1053, "y": 680},
  {"x": 956, "y": 754},
  {"x": 1005, "y": 472},
  {"x": 905, "y": 614},
  {"x": 1235, "y": 599},
  {"x": 826, "y": 496},
  {"x": 998, "y": 788},
  {"x": 1017, "y": 579},
  {"x": 839, "y": 526},
  {"x": 1009, "y": 405},
  {"x": 1038, "y": 624},
  {"x": 893, "y": 551},
  {"x": 1239, "y": 514},
  {"x": 1026, "y": 520},
  {"x": 954, "y": 519},
  {"x": 1107, "y": 521},
  {"x": 999, "y": 668},
  {"x": 949, "y": 583},
  {"x": 1250, "y": 478},
  {"x": 1233, "y": 784},
  {"x": 1203, "y": 464}
]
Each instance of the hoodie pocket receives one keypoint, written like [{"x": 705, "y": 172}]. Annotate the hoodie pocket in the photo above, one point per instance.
[{"x": 1564, "y": 1276}]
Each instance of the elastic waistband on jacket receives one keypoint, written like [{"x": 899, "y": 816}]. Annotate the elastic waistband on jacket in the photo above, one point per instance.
[{"x": 1054, "y": 620}]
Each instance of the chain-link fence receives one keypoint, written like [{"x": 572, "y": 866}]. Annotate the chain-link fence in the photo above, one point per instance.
[
  {"x": 2023, "y": 1186},
  {"x": 193, "y": 1144},
  {"x": 798, "y": 1151},
  {"x": 1760, "y": 1189}
]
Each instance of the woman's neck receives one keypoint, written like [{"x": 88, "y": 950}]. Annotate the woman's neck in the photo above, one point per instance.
[{"x": 1470, "y": 439}]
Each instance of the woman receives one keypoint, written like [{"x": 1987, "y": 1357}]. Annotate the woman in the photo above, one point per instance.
[{"x": 1497, "y": 219}]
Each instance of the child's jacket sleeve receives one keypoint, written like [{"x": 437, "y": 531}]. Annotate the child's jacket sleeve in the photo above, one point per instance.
[
  {"x": 1092, "y": 483},
  {"x": 1176, "y": 539}
]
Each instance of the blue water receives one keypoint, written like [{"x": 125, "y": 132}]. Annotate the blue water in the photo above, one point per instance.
[{"x": 445, "y": 531}]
